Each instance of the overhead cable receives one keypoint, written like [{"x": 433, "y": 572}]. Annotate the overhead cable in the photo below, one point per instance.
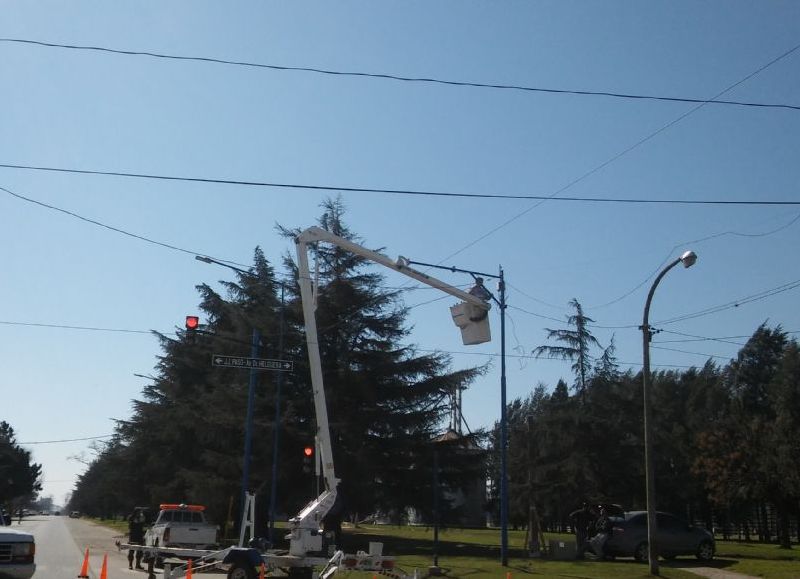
[
  {"x": 394, "y": 77},
  {"x": 693, "y": 353},
  {"x": 618, "y": 155},
  {"x": 413, "y": 192},
  {"x": 68, "y": 440},
  {"x": 734, "y": 304},
  {"x": 115, "y": 229}
]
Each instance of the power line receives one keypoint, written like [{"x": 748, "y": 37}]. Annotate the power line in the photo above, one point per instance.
[
  {"x": 734, "y": 304},
  {"x": 620, "y": 154},
  {"x": 530, "y": 313},
  {"x": 69, "y": 440},
  {"x": 109, "y": 227},
  {"x": 66, "y": 327},
  {"x": 384, "y": 76},
  {"x": 693, "y": 353},
  {"x": 161, "y": 243},
  {"x": 723, "y": 339},
  {"x": 687, "y": 243},
  {"x": 696, "y": 338},
  {"x": 412, "y": 192}
]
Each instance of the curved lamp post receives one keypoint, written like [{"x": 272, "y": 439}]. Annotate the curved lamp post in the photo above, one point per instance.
[{"x": 687, "y": 259}]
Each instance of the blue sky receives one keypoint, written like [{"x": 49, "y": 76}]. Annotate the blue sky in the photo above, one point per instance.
[{"x": 98, "y": 111}]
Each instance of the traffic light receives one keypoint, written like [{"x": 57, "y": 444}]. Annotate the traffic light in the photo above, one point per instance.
[
  {"x": 192, "y": 324},
  {"x": 308, "y": 457}
]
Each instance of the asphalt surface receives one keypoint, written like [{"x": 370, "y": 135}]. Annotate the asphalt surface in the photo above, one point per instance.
[{"x": 61, "y": 544}]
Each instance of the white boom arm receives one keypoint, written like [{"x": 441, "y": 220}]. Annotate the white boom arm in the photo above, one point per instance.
[{"x": 304, "y": 535}]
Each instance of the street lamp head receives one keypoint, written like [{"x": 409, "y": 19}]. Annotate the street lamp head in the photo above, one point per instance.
[
  {"x": 203, "y": 258},
  {"x": 688, "y": 259}
]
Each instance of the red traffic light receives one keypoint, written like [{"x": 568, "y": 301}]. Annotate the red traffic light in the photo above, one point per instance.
[
  {"x": 308, "y": 451},
  {"x": 192, "y": 322}
]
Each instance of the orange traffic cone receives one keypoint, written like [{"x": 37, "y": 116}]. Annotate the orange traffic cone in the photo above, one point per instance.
[
  {"x": 84, "y": 574},
  {"x": 262, "y": 573},
  {"x": 104, "y": 568},
  {"x": 188, "y": 570}
]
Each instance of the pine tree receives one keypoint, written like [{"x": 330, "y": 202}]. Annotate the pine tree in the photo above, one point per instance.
[
  {"x": 386, "y": 403},
  {"x": 576, "y": 347},
  {"x": 19, "y": 477}
]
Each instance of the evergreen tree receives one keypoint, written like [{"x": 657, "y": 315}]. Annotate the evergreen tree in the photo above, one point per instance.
[
  {"x": 386, "y": 403},
  {"x": 574, "y": 345},
  {"x": 19, "y": 477},
  {"x": 737, "y": 456},
  {"x": 780, "y": 466}
]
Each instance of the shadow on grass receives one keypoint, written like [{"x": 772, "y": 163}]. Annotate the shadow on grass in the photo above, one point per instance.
[{"x": 424, "y": 546}]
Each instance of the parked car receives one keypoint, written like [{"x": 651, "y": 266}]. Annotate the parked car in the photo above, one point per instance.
[
  {"x": 75, "y": 515},
  {"x": 675, "y": 537}
]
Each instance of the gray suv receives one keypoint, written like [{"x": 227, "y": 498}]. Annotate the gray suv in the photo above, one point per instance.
[{"x": 675, "y": 537}]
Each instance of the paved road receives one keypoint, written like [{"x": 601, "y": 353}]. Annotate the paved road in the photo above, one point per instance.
[{"x": 61, "y": 543}]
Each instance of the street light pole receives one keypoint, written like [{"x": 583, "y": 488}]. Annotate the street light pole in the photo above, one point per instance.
[
  {"x": 688, "y": 259},
  {"x": 501, "y": 303},
  {"x": 503, "y": 428}
]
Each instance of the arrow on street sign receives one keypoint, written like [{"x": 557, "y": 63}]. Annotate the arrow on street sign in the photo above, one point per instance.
[{"x": 251, "y": 363}]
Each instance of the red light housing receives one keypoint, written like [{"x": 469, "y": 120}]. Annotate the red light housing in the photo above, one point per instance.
[
  {"x": 192, "y": 322},
  {"x": 308, "y": 451}
]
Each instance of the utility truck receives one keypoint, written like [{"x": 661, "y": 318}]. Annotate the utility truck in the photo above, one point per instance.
[{"x": 308, "y": 557}]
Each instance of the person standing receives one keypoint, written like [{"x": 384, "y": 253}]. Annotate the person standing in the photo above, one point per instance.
[
  {"x": 582, "y": 520},
  {"x": 136, "y": 522},
  {"x": 603, "y": 532}
]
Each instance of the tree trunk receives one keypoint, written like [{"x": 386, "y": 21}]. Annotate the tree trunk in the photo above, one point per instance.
[{"x": 784, "y": 537}]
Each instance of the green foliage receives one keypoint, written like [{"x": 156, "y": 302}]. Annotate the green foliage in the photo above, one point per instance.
[
  {"x": 725, "y": 438},
  {"x": 575, "y": 345},
  {"x": 19, "y": 477},
  {"x": 386, "y": 403}
]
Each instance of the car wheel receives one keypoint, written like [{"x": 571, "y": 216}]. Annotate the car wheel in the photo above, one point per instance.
[
  {"x": 242, "y": 571},
  {"x": 640, "y": 553},
  {"x": 705, "y": 551}
]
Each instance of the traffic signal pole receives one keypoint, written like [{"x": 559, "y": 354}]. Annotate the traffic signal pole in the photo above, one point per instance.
[{"x": 248, "y": 428}]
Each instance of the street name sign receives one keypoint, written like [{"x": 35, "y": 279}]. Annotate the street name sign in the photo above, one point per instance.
[{"x": 251, "y": 363}]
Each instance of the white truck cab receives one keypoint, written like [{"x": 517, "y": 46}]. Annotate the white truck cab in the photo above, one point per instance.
[
  {"x": 184, "y": 526},
  {"x": 17, "y": 550}
]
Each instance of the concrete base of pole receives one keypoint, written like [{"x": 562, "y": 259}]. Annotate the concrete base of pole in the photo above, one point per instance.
[{"x": 435, "y": 571}]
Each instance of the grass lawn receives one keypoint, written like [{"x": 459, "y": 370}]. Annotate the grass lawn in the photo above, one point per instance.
[
  {"x": 475, "y": 554},
  {"x": 759, "y": 559}
]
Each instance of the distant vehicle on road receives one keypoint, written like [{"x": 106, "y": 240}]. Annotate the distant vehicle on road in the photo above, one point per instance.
[
  {"x": 17, "y": 550},
  {"x": 675, "y": 537},
  {"x": 75, "y": 515}
]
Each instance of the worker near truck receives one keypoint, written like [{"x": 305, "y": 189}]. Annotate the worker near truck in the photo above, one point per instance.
[{"x": 136, "y": 522}]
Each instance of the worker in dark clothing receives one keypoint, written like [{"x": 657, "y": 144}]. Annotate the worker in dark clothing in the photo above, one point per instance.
[
  {"x": 582, "y": 521},
  {"x": 602, "y": 529},
  {"x": 136, "y": 522}
]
